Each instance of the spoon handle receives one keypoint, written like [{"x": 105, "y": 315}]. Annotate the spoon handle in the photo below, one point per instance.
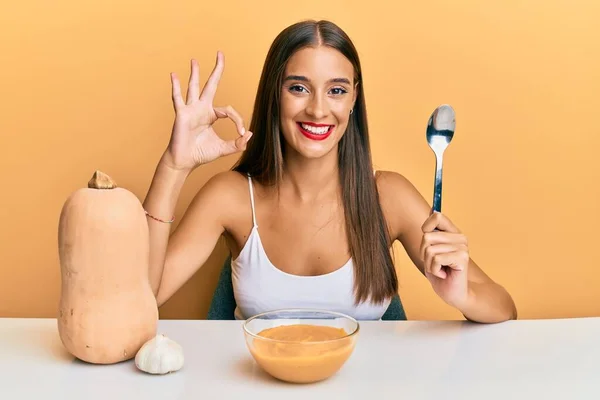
[{"x": 437, "y": 186}]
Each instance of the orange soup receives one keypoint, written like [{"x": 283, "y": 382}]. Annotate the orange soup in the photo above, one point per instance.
[{"x": 314, "y": 355}]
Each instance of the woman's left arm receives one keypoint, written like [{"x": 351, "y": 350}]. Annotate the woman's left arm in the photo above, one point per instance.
[{"x": 441, "y": 252}]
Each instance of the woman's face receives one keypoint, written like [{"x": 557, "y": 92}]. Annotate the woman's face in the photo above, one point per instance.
[{"x": 317, "y": 96}]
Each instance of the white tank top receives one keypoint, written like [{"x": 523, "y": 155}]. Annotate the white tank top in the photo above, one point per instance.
[{"x": 259, "y": 286}]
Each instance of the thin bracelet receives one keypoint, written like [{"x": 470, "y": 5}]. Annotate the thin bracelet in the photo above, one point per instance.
[{"x": 158, "y": 219}]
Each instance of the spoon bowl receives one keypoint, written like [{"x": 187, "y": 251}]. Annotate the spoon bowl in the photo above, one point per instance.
[{"x": 440, "y": 131}]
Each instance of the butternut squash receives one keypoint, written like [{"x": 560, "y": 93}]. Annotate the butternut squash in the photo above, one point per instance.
[{"x": 107, "y": 309}]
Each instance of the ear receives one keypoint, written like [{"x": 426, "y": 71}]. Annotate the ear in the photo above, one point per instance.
[{"x": 355, "y": 95}]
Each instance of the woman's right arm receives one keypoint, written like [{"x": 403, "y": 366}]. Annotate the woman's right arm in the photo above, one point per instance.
[
  {"x": 175, "y": 257},
  {"x": 160, "y": 202}
]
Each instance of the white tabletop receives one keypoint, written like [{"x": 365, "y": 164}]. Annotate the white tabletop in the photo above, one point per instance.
[{"x": 538, "y": 359}]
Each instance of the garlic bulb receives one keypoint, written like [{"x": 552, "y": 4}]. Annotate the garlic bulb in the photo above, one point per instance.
[{"x": 159, "y": 355}]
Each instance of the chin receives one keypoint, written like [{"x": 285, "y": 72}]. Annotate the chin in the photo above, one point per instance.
[{"x": 314, "y": 154}]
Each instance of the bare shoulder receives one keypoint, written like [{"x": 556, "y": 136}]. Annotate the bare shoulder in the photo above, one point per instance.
[
  {"x": 404, "y": 207},
  {"x": 222, "y": 194},
  {"x": 226, "y": 184},
  {"x": 391, "y": 184}
]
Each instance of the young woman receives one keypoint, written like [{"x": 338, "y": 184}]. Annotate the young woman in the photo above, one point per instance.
[{"x": 308, "y": 221}]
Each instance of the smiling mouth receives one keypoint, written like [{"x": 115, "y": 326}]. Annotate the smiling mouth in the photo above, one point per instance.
[{"x": 315, "y": 131}]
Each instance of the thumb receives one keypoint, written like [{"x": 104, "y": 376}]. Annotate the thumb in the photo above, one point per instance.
[
  {"x": 237, "y": 145},
  {"x": 440, "y": 222}
]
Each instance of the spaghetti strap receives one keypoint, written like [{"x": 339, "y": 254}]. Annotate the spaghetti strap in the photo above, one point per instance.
[{"x": 252, "y": 200}]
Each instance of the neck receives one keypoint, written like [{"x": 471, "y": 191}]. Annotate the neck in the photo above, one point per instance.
[{"x": 311, "y": 179}]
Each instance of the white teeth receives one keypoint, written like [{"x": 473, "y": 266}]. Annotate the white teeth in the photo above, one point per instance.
[{"x": 315, "y": 130}]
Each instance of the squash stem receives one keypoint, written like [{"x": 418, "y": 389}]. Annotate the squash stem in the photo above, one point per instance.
[{"x": 101, "y": 181}]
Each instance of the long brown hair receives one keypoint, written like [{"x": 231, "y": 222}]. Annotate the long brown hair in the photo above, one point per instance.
[{"x": 263, "y": 159}]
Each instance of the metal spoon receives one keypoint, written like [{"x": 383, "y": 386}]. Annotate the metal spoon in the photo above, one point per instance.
[{"x": 440, "y": 130}]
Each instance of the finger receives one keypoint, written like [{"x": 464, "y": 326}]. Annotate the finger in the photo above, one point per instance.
[
  {"x": 440, "y": 222},
  {"x": 176, "y": 92},
  {"x": 447, "y": 239},
  {"x": 438, "y": 272},
  {"x": 237, "y": 145},
  {"x": 453, "y": 260},
  {"x": 231, "y": 113},
  {"x": 435, "y": 238},
  {"x": 208, "y": 93},
  {"x": 193, "y": 84},
  {"x": 431, "y": 251}
]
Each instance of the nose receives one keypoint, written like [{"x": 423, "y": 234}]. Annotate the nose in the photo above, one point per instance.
[{"x": 317, "y": 106}]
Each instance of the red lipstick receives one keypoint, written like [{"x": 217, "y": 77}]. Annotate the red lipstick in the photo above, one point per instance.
[{"x": 312, "y": 135}]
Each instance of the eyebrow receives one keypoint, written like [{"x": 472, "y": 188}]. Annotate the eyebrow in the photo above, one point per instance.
[{"x": 305, "y": 79}]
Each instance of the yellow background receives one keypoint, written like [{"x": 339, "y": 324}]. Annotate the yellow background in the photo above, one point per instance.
[{"x": 86, "y": 86}]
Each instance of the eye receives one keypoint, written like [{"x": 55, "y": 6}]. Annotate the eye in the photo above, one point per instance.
[
  {"x": 339, "y": 91},
  {"x": 297, "y": 89}
]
